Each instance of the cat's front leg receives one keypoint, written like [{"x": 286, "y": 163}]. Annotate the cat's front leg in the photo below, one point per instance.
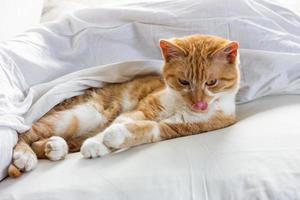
[
  {"x": 119, "y": 135},
  {"x": 54, "y": 148},
  {"x": 93, "y": 147},
  {"x": 124, "y": 135}
]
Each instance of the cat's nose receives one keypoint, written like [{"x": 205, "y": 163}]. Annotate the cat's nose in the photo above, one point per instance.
[{"x": 200, "y": 105}]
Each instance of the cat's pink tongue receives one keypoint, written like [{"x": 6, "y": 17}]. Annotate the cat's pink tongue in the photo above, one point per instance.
[{"x": 200, "y": 105}]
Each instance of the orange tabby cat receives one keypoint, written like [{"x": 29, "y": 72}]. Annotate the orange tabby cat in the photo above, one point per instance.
[{"x": 195, "y": 94}]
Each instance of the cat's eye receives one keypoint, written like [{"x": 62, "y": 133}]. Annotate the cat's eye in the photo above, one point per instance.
[
  {"x": 212, "y": 82},
  {"x": 183, "y": 82}
]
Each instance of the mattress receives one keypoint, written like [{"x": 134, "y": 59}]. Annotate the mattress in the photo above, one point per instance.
[{"x": 257, "y": 158}]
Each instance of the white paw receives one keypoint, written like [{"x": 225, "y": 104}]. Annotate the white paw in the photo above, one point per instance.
[
  {"x": 92, "y": 148},
  {"x": 24, "y": 160},
  {"x": 56, "y": 148},
  {"x": 115, "y": 136}
]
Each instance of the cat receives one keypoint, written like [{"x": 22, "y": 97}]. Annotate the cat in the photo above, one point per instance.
[{"x": 195, "y": 94}]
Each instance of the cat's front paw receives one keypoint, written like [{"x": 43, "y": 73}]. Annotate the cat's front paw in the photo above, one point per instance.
[
  {"x": 116, "y": 136},
  {"x": 56, "y": 148},
  {"x": 24, "y": 159},
  {"x": 92, "y": 148}
]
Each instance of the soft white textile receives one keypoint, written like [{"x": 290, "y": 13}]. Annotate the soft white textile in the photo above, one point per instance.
[
  {"x": 18, "y": 15},
  {"x": 268, "y": 35},
  {"x": 11, "y": 109},
  {"x": 8, "y": 138},
  {"x": 257, "y": 158},
  {"x": 54, "y": 9}
]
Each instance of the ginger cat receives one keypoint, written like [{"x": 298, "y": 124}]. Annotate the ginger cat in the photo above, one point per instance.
[{"x": 195, "y": 94}]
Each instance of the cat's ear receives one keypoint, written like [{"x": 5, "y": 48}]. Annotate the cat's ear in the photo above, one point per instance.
[
  {"x": 170, "y": 50},
  {"x": 228, "y": 53}
]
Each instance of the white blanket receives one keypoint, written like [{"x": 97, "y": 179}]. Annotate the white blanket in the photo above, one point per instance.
[{"x": 268, "y": 35}]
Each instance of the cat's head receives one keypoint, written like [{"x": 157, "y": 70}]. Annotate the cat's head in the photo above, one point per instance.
[{"x": 201, "y": 68}]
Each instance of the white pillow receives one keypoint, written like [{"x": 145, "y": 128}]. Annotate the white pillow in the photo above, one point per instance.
[{"x": 18, "y": 15}]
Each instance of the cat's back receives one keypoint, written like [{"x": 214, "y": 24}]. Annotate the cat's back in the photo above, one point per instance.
[
  {"x": 130, "y": 93},
  {"x": 126, "y": 94},
  {"x": 141, "y": 86}
]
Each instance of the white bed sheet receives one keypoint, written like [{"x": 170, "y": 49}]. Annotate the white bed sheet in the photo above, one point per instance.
[{"x": 257, "y": 158}]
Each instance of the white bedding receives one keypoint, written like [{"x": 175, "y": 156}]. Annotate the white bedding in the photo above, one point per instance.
[
  {"x": 16, "y": 18},
  {"x": 270, "y": 60},
  {"x": 257, "y": 158}
]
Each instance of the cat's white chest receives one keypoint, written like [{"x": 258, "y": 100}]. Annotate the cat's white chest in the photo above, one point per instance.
[
  {"x": 184, "y": 115},
  {"x": 175, "y": 110}
]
